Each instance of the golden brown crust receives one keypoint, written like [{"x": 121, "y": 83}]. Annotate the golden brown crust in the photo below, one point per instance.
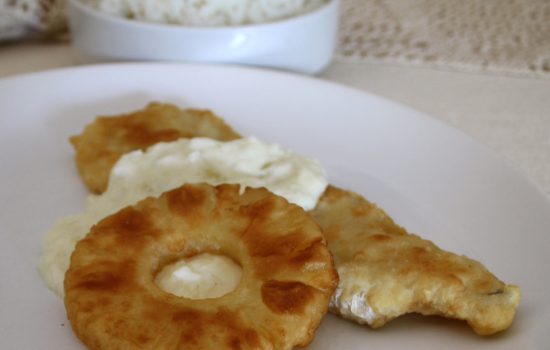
[
  {"x": 104, "y": 141},
  {"x": 113, "y": 303},
  {"x": 386, "y": 272}
]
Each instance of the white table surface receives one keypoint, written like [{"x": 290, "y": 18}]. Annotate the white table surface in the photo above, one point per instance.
[{"x": 509, "y": 115}]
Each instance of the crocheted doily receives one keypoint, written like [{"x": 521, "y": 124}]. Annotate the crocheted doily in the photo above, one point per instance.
[
  {"x": 30, "y": 18},
  {"x": 511, "y": 36}
]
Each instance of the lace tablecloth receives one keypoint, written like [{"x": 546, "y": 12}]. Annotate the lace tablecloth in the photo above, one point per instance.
[
  {"x": 501, "y": 36},
  {"x": 31, "y": 18}
]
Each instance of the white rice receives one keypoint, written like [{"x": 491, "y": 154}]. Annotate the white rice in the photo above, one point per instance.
[{"x": 205, "y": 12}]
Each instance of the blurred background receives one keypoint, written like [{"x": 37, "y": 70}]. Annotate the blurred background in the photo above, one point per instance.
[{"x": 505, "y": 37}]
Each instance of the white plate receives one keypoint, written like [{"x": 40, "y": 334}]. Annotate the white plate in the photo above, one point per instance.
[{"x": 430, "y": 178}]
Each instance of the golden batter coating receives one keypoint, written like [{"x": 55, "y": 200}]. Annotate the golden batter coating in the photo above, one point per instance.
[
  {"x": 288, "y": 275},
  {"x": 109, "y": 137},
  {"x": 386, "y": 272}
]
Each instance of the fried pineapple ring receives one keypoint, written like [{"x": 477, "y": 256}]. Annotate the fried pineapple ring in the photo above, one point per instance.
[
  {"x": 288, "y": 275},
  {"x": 104, "y": 141},
  {"x": 386, "y": 272}
]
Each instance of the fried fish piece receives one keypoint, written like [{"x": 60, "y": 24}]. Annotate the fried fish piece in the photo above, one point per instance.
[
  {"x": 386, "y": 272},
  {"x": 288, "y": 274},
  {"x": 105, "y": 140}
]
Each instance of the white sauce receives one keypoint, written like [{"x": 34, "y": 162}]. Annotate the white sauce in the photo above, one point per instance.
[
  {"x": 165, "y": 166},
  {"x": 248, "y": 162},
  {"x": 200, "y": 277}
]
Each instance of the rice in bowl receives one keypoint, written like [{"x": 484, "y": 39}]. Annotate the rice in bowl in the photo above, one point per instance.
[{"x": 205, "y": 12}]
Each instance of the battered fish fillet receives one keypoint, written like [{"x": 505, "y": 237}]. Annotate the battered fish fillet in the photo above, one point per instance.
[
  {"x": 386, "y": 272},
  {"x": 104, "y": 141},
  {"x": 288, "y": 275}
]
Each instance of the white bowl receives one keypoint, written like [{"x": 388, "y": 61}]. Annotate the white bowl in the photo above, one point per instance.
[{"x": 304, "y": 43}]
